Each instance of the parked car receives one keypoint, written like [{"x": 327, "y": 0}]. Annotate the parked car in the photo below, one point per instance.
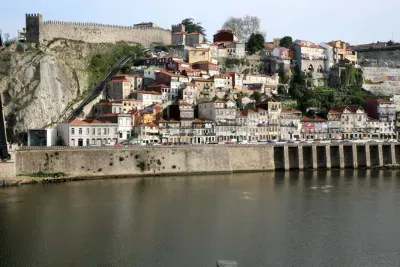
[{"x": 243, "y": 142}]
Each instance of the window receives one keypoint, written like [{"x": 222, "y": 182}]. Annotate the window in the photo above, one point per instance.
[
  {"x": 104, "y": 131},
  {"x": 80, "y": 131},
  {"x": 87, "y": 131},
  {"x": 72, "y": 131},
  {"x": 93, "y": 131},
  {"x": 98, "y": 131}
]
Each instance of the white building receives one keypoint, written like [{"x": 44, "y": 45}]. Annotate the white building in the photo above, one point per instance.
[
  {"x": 124, "y": 122},
  {"x": 147, "y": 133},
  {"x": 290, "y": 124},
  {"x": 219, "y": 111},
  {"x": 203, "y": 132},
  {"x": 223, "y": 113},
  {"x": 189, "y": 93},
  {"x": 88, "y": 133},
  {"x": 149, "y": 97}
]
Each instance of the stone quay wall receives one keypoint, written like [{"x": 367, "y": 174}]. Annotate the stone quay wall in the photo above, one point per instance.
[{"x": 148, "y": 161}]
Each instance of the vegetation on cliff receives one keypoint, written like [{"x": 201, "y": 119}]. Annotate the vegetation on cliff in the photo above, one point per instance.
[
  {"x": 323, "y": 98},
  {"x": 100, "y": 63}
]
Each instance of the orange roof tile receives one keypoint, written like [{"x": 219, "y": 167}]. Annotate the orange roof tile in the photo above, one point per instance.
[
  {"x": 82, "y": 122},
  {"x": 118, "y": 81}
]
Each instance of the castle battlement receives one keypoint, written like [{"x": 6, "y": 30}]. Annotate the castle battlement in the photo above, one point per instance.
[
  {"x": 33, "y": 15},
  {"x": 91, "y": 32}
]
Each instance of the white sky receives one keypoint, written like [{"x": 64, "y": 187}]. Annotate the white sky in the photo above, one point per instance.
[{"x": 354, "y": 21}]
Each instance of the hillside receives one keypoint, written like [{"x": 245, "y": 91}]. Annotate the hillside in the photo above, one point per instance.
[{"x": 42, "y": 83}]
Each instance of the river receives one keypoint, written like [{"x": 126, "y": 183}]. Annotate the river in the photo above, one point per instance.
[{"x": 336, "y": 218}]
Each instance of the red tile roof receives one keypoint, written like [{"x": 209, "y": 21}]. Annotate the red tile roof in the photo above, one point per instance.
[
  {"x": 313, "y": 119},
  {"x": 118, "y": 81},
  {"x": 105, "y": 115},
  {"x": 201, "y": 80},
  {"x": 190, "y": 84},
  {"x": 82, "y": 122},
  {"x": 290, "y": 110},
  {"x": 149, "y": 92}
]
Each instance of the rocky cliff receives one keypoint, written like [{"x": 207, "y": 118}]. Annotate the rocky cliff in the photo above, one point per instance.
[{"x": 40, "y": 84}]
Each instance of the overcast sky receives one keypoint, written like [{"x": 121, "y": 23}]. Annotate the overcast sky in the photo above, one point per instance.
[{"x": 354, "y": 21}]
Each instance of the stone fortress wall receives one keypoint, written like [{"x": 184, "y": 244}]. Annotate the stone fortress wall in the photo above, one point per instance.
[{"x": 38, "y": 31}]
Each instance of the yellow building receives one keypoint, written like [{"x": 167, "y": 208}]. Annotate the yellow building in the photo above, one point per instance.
[
  {"x": 341, "y": 52},
  {"x": 148, "y": 117},
  {"x": 199, "y": 54}
]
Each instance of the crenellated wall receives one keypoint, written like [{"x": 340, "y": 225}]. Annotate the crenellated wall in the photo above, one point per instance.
[{"x": 39, "y": 31}]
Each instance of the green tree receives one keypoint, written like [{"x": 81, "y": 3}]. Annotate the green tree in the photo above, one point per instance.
[
  {"x": 284, "y": 76},
  {"x": 282, "y": 90},
  {"x": 286, "y": 42},
  {"x": 192, "y": 26},
  {"x": 257, "y": 96},
  {"x": 256, "y": 42}
]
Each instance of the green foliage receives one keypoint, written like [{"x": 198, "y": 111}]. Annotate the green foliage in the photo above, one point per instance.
[
  {"x": 191, "y": 26},
  {"x": 256, "y": 42},
  {"x": 351, "y": 76},
  {"x": 101, "y": 63},
  {"x": 325, "y": 98},
  {"x": 286, "y": 42},
  {"x": 284, "y": 77},
  {"x": 281, "y": 90},
  {"x": 230, "y": 62},
  {"x": 257, "y": 96}
]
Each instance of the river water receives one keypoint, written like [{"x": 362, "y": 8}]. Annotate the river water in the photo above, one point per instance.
[{"x": 337, "y": 218}]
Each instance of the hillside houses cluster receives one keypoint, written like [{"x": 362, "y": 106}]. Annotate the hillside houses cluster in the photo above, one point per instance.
[{"x": 185, "y": 98}]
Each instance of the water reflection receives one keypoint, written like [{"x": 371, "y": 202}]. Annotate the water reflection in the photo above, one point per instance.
[{"x": 336, "y": 218}]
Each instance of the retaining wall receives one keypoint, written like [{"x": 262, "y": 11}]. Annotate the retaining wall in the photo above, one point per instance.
[{"x": 138, "y": 161}]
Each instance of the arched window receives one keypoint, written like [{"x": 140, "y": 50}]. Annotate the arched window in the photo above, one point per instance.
[
  {"x": 311, "y": 67},
  {"x": 320, "y": 70}
]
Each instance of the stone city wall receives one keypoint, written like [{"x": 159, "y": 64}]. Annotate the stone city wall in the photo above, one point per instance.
[
  {"x": 99, "y": 33},
  {"x": 38, "y": 30}
]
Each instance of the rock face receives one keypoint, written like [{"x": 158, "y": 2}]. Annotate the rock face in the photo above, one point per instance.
[{"x": 40, "y": 84}]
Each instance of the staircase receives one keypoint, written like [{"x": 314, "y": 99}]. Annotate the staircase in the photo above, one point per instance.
[{"x": 99, "y": 87}]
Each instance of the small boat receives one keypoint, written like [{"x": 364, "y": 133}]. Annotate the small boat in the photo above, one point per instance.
[{"x": 227, "y": 263}]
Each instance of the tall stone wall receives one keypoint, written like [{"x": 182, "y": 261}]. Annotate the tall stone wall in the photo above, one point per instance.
[
  {"x": 145, "y": 161},
  {"x": 38, "y": 31}
]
